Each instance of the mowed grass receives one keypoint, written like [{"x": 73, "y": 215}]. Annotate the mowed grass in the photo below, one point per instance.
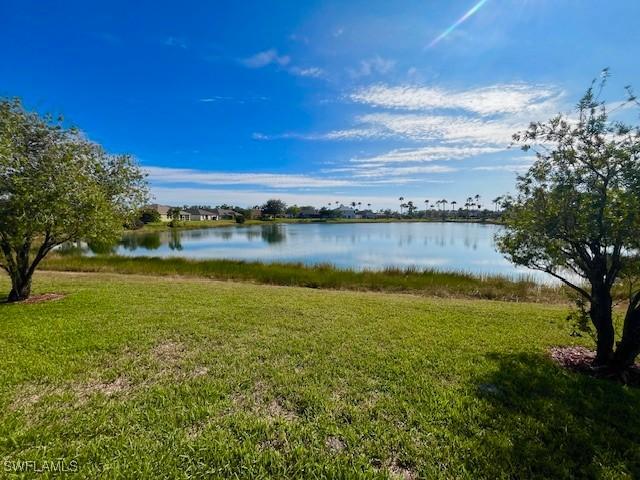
[
  {"x": 426, "y": 282},
  {"x": 141, "y": 377}
]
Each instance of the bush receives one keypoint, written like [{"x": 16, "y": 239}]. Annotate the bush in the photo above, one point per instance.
[{"x": 240, "y": 219}]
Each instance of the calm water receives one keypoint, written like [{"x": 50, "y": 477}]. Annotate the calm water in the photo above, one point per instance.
[{"x": 444, "y": 246}]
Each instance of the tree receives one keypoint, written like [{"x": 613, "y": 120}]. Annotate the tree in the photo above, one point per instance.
[
  {"x": 496, "y": 201},
  {"x": 293, "y": 210},
  {"x": 174, "y": 214},
  {"x": 468, "y": 204},
  {"x": 577, "y": 216},
  {"x": 149, "y": 215},
  {"x": 401, "y": 204},
  {"x": 274, "y": 207},
  {"x": 55, "y": 187}
]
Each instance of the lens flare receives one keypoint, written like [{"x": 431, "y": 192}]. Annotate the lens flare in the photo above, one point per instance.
[{"x": 458, "y": 22}]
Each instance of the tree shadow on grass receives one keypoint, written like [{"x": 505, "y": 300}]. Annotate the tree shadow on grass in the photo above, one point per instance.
[{"x": 542, "y": 421}]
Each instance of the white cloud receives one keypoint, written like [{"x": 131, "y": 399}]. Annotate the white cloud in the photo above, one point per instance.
[
  {"x": 520, "y": 168},
  {"x": 164, "y": 175},
  {"x": 495, "y": 99},
  {"x": 267, "y": 57},
  {"x": 207, "y": 196},
  {"x": 314, "y": 72},
  {"x": 375, "y": 65},
  {"x": 376, "y": 171},
  {"x": 175, "y": 42},
  {"x": 215, "y": 98},
  {"x": 426, "y": 154},
  {"x": 417, "y": 127}
]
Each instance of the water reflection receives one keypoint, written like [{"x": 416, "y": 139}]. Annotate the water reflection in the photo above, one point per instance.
[{"x": 446, "y": 246}]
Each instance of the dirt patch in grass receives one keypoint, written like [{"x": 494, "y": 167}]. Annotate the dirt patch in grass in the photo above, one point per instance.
[
  {"x": 580, "y": 359},
  {"x": 45, "y": 297},
  {"x": 397, "y": 471},
  {"x": 30, "y": 395},
  {"x": 169, "y": 352},
  {"x": 334, "y": 444},
  {"x": 277, "y": 410},
  {"x": 86, "y": 390}
]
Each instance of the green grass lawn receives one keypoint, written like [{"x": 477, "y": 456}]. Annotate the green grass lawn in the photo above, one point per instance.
[{"x": 161, "y": 377}]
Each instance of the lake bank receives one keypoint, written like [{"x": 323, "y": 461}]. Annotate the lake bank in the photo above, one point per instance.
[
  {"x": 427, "y": 282},
  {"x": 194, "y": 225}
]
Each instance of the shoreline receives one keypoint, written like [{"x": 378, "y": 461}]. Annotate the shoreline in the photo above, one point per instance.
[
  {"x": 427, "y": 282},
  {"x": 194, "y": 225}
]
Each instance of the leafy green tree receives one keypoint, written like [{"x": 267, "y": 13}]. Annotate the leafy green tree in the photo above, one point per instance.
[
  {"x": 149, "y": 215},
  {"x": 293, "y": 210},
  {"x": 57, "y": 187},
  {"x": 577, "y": 216},
  {"x": 274, "y": 207}
]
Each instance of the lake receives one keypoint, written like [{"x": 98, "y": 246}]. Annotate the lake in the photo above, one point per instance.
[{"x": 463, "y": 247}]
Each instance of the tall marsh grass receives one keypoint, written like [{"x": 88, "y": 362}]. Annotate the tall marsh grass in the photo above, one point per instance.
[{"x": 411, "y": 280}]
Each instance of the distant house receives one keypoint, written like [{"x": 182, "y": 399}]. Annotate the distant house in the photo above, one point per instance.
[
  {"x": 199, "y": 214},
  {"x": 163, "y": 211},
  {"x": 224, "y": 214},
  {"x": 345, "y": 212},
  {"x": 254, "y": 213},
  {"x": 308, "y": 212},
  {"x": 184, "y": 216},
  {"x": 368, "y": 214}
]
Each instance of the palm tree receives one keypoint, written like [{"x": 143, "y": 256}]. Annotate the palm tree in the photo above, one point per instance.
[
  {"x": 353, "y": 204},
  {"x": 453, "y": 207},
  {"x": 411, "y": 207},
  {"x": 495, "y": 202},
  {"x": 468, "y": 204},
  {"x": 401, "y": 204}
]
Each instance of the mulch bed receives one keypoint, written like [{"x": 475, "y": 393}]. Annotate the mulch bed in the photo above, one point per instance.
[
  {"x": 45, "y": 297},
  {"x": 580, "y": 359}
]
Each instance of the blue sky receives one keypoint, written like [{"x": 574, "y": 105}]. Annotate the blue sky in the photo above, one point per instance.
[{"x": 315, "y": 101}]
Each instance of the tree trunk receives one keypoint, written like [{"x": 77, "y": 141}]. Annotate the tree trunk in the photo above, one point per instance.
[
  {"x": 629, "y": 346},
  {"x": 20, "y": 288},
  {"x": 601, "y": 316}
]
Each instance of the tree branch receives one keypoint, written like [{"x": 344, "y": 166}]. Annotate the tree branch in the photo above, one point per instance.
[{"x": 578, "y": 289}]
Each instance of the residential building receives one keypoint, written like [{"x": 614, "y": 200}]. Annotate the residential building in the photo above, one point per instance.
[
  {"x": 199, "y": 214},
  {"x": 163, "y": 211},
  {"x": 345, "y": 212},
  {"x": 308, "y": 212}
]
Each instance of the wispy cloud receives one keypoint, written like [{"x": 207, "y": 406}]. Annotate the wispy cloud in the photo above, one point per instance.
[
  {"x": 176, "y": 42},
  {"x": 267, "y": 57},
  {"x": 314, "y": 72},
  {"x": 495, "y": 99},
  {"x": 515, "y": 168},
  {"x": 426, "y": 154},
  {"x": 375, "y": 65},
  {"x": 249, "y": 197},
  {"x": 379, "y": 171},
  {"x": 215, "y": 98},
  {"x": 164, "y": 175}
]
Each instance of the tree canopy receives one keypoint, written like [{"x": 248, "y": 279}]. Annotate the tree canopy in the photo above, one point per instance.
[
  {"x": 274, "y": 207},
  {"x": 577, "y": 213},
  {"x": 57, "y": 186}
]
